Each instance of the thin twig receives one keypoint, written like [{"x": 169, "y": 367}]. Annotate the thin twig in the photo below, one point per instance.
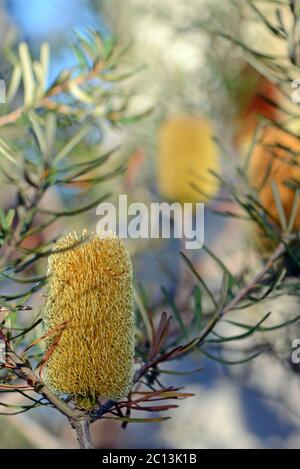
[
  {"x": 56, "y": 90},
  {"x": 78, "y": 419},
  {"x": 279, "y": 251}
]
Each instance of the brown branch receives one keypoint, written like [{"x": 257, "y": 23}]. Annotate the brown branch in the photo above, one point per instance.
[
  {"x": 56, "y": 90},
  {"x": 78, "y": 419},
  {"x": 184, "y": 349},
  {"x": 279, "y": 251},
  {"x": 82, "y": 428}
]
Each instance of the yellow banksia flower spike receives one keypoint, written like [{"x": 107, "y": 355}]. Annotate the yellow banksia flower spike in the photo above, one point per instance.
[
  {"x": 91, "y": 290},
  {"x": 187, "y": 154}
]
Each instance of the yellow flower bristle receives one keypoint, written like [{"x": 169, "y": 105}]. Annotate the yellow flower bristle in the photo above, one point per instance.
[
  {"x": 91, "y": 289},
  {"x": 186, "y": 154}
]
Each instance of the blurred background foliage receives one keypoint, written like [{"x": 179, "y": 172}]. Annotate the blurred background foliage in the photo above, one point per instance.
[{"x": 184, "y": 70}]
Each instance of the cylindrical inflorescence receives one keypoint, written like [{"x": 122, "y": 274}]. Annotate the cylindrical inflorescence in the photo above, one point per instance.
[{"x": 90, "y": 294}]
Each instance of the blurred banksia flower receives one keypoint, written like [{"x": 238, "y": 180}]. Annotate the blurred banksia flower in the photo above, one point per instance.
[
  {"x": 186, "y": 154},
  {"x": 256, "y": 97},
  {"x": 90, "y": 289},
  {"x": 276, "y": 160}
]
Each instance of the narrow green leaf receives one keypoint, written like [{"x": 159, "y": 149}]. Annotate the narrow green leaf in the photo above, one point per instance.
[
  {"x": 294, "y": 211},
  {"x": 135, "y": 118},
  {"x": 199, "y": 278},
  {"x": 277, "y": 32},
  {"x": 254, "y": 141},
  {"x": 3, "y": 221},
  {"x": 45, "y": 61},
  {"x": 176, "y": 312},
  {"x": 86, "y": 166},
  {"x": 10, "y": 217},
  {"x": 250, "y": 332},
  {"x": 180, "y": 373},
  {"x": 137, "y": 420},
  {"x": 198, "y": 309},
  {"x": 14, "y": 83},
  {"x": 279, "y": 206},
  {"x": 7, "y": 152},
  {"x": 231, "y": 279},
  {"x": 27, "y": 72},
  {"x": 115, "y": 77},
  {"x": 228, "y": 362},
  {"x": 28, "y": 329},
  {"x": 266, "y": 329},
  {"x": 109, "y": 44},
  {"x": 72, "y": 143},
  {"x": 38, "y": 132},
  {"x": 95, "y": 180},
  {"x": 76, "y": 211},
  {"x": 79, "y": 94},
  {"x": 81, "y": 57},
  {"x": 50, "y": 134},
  {"x": 144, "y": 315}
]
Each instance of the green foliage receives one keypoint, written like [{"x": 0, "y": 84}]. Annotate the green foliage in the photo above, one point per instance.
[{"x": 41, "y": 146}]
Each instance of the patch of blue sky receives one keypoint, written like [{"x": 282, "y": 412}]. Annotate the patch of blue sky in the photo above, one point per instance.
[
  {"x": 54, "y": 21},
  {"x": 40, "y": 19}
]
